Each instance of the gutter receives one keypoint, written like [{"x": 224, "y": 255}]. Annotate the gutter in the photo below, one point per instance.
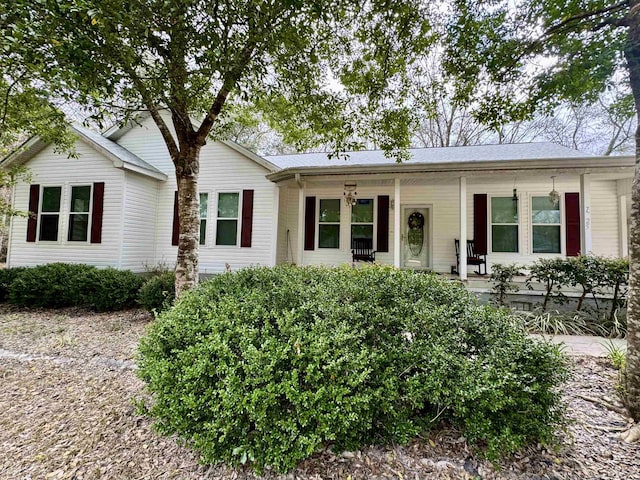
[{"x": 587, "y": 163}]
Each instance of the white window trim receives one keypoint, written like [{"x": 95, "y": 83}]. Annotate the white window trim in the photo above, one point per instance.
[
  {"x": 490, "y": 226},
  {"x": 238, "y": 219},
  {"x": 207, "y": 226},
  {"x": 70, "y": 212},
  {"x": 562, "y": 225},
  {"x": 374, "y": 223},
  {"x": 60, "y": 214},
  {"x": 339, "y": 223}
]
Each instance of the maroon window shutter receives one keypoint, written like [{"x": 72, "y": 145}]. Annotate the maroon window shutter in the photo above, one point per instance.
[
  {"x": 310, "y": 223},
  {"x": 32, "y": 223},
  {"x": 96, "y": 213},
  {"x": 383, "y": 224},
  {"x": 175, "y": 236},
  {"x": 480, "y": 223},
  {"x": 572, "y": 213},
  {"x": 247, "y": 218}
]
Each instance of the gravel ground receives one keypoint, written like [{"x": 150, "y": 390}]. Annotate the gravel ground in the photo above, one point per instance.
[{"x": 67, "y": 411}]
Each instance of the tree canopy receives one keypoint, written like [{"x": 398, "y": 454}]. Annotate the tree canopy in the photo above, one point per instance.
[{"x": 512, "y": 57}]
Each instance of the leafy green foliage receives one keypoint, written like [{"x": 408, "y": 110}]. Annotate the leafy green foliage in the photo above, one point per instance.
[
  {"x": 7, "y": 276},
  {"x": 267, "y": 365},
  {"x": 502, "y": 277},
  {"x": 552, "y": 273},
  {"x": 158, "y": 292},
  {"x": 57, "y": 285},
  {"x": 52, "y": 285},
  {"x": 111, "y": 289}
]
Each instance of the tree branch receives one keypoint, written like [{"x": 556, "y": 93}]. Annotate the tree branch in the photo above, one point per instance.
[{"x": 581, "y": 16}]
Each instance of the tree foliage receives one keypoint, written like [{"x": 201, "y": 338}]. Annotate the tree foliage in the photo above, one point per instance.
[
  {"x": 547, "y": 51},
  {"x": 322, "y": 72}
]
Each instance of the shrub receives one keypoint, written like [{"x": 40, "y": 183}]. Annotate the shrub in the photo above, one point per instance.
[
  {"x": 502, "y": 277},
  {"x": 57, "y": 285},
  {"x": 551, "y": 272},
  {"x": 158, "y": 292},
  {"x": 110, "y": 289},
  {"x": 52, "y": 285},
  {"x": 7, "y": 276},
  {"x": 267, "y": 365}
]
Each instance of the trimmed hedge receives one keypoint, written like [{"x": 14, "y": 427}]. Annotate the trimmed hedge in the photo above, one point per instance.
[
  {"x": 158, "y": 292},
  {"x": 267, "y": 365},
  {"x": 57, "y": 285}
]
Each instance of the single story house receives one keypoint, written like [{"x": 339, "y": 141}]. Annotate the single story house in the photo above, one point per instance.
[{"x": 114, "y": 205}]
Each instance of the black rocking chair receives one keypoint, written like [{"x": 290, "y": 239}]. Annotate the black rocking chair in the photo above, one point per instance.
[{"x": 473, "y": 258}]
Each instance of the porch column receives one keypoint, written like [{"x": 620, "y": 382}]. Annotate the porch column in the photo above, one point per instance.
[
  {"x": 586, "y": 244},
  {"x": 463, "y": 228},
  {"x": 624, "y": 227},
  {"x": 396, "y": 224},
  {"x": 276, "y": 225},
  {"x": 300, "y": 246}
]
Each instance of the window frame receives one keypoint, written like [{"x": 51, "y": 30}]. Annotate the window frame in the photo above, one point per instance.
[
  {"x": 205, "y": 219},
  {"x": 491, "y": 224},
  {"x": 59, "y": 213},
  {"x": 561, "y": 225},
  {"x": 373, "y": 223},
  {"x": 339, "y": 222},
  {"x": 89, "y": 213},
  {"x": 238, "y": 219}
]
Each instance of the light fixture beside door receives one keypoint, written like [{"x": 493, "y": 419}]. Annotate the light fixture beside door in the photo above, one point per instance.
[{"x": 350, "y": 194}]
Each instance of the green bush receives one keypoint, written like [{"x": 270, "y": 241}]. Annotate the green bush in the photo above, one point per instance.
[
  {"x": 267, "y": 365},
  {"x": 110, "y": 289},
  {"x": 502, "y": 279},
  {"x": 7, "y": 276},
  {"x": 52, "y": 285},
  {"x": 158, "y": 292},
  {"x": 57, "y": 285}
]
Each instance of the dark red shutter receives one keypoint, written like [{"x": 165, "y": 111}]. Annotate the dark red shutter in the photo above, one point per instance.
[
  {"x": 309, "y": 223},
  {"x": 96, "y": 213},
  {"x": 175, "y": 236},
  {"x": 480, "y": 223},
  {"x": 32, "y": 222},
  {"x": 383, "y": 224},
  {"x": 572, "y": 214},
  {"x": 247, "y": 218}
]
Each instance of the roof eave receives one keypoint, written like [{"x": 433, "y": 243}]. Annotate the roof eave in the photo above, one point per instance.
[{"x": 474, "y": 166}]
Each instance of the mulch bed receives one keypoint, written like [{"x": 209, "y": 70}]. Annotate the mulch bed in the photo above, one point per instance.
[{"x": 68, "y": 411}]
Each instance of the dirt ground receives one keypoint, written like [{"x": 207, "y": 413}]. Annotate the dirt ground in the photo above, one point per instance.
[{"x": 68, "y": 396}]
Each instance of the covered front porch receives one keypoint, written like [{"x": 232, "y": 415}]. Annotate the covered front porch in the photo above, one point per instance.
[{"x": 412, "y": 218}]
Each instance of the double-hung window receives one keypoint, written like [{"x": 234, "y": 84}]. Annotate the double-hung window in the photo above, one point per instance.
[
  {"x": 329, "y": 223},
  {"x": 50, "y": 213},
  {"x": 204, "y": 200},
  {"x": 545, "y": 225},
  {"x": 362, "y": 221},
  {"x": 504, "y": 224},
  {"x": 227, "y": 222},
  {"x": 79, "y": 213}
]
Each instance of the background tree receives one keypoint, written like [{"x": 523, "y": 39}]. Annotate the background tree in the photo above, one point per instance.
[
  {"x": 548, "y": 51},
  {"x": 193, "y": 57}
]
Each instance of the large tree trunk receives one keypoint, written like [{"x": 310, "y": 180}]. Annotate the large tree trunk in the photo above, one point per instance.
[
  {"x": 632, "y": 53},
  {"x": 187, "y": 169}
]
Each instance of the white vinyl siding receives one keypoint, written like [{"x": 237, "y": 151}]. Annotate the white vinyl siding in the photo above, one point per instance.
[
  {"x": 53, "y": 169},
  {"x": 139, "y": 204}
]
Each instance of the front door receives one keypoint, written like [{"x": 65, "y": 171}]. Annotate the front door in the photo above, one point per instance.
[{"x": 416, "y": 237}]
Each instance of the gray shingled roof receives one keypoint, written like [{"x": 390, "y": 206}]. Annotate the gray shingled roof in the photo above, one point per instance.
[
  {"x": 476, "y": 153},
  {"x": 114, "y": 149}
]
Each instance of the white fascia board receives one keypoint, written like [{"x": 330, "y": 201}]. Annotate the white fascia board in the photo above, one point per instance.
[{"x": 566, "y": 164}]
